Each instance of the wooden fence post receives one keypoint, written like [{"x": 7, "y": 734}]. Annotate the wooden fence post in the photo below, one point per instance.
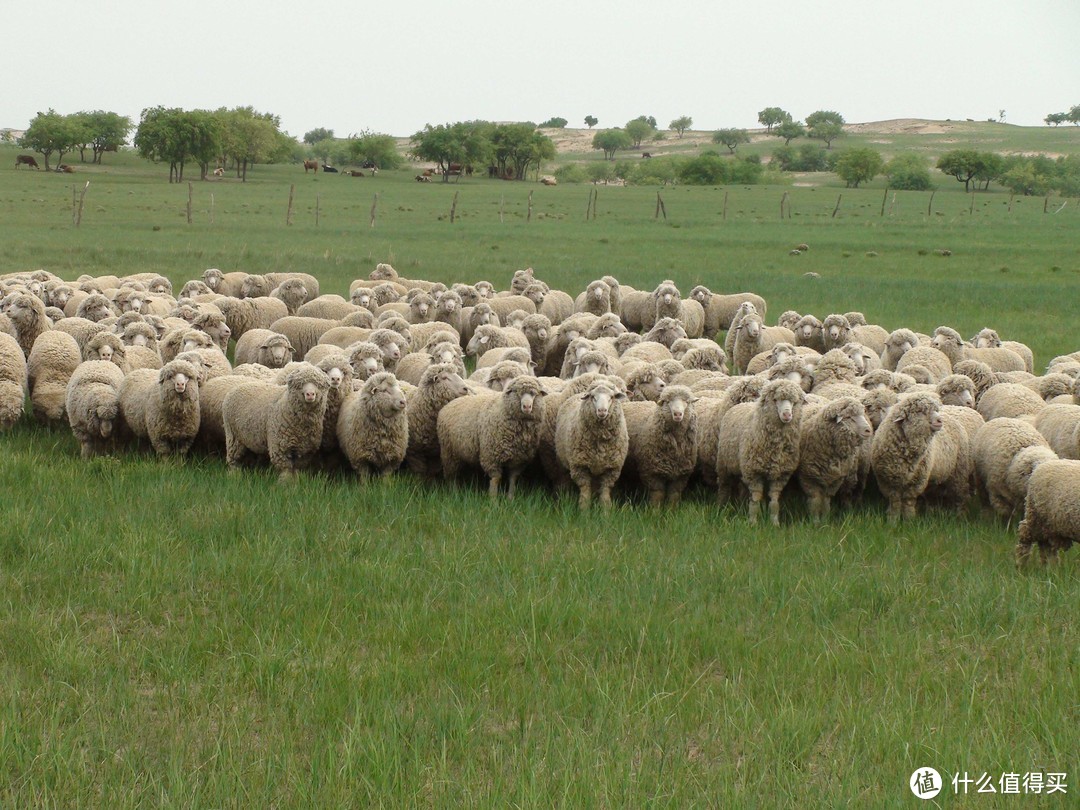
[
  {"x": 884, "y": 197},
  {"x": 930, "y": 205},
  {"x": 82, "y": 198},
  {"x": 190, "y": 192},
  {"x": 528, "y": 216},
  {"x": 453, "y": 208},
  {"x": 288, "y": 211},
  {"x": 837, "y": 208},
  {"x": 724, "y": 213}
]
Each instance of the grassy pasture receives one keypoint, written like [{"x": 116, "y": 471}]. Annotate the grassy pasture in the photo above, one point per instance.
[{"x": 175, "y": 636}]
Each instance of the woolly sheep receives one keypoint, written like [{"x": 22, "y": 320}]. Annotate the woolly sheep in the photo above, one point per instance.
[
  {"x": 93, "y": 405},
  {"x": 250, "y": 313},
  {"x": 989, "y": 339},
  {"x": 1060, "y": 424},
  {"x": 754, "y": 337},
  {"x": 486, "y": 338},
  {"x": 1009, "y": 399},
  {"x": 282, "y": 422},
  {"x": 95, "y": 307},
  {"x": 665, "y": 332},
  {"x": 956, "y": 389},
  {"x": 373, "y": 427},
  {"x": 933, "y": 360},
  {"x": 26, "y": 313},
  {"x": 411, "y": 367},
  {"x": 293, "y": 293},
  {"x": 439, "y": 385},
  {"x": 1051, "y": 511},
  {"x": 340, "y": 374},
  {"x": 979, "y": 373},
  {"x": 668, "y": 303},
  {"x": 808, "y": 332},
  {"x": 540, "y": 334},
  {"x": 596, "y": 299},
  {"x": 711, "y": 413},
  {"x": 787, "y": 319},
  {"x": 13, "y": 380},
  {"x": 497, "y": 376},
  {"x": 503, "y": 306},
  {"x": 183, "y": 340},
  {"x": 53, "y": 360},
  {"x": 216, "y": 327},
  {"x": 255, "y": 286},
  {"x": 759, "y": 445},
  {"x": 898, "y": 342},
  {"x": 162, "y": 406},
  {"x": 265, "y": 347},
  {"x": 949, "y": 342},
  {"x": 720, "y": 309},
  {"x": 591, "y": 441},
  {"x": 366, "y": 359},
  {"x": 781, "y": 351},
  {"x": 106, "y": 346},
  {"x": 662, "y": 447},
  {"x": 1052, "y": 385},
  {"x": 224, "y": 283},
  {"x": 999, "y": 470},
  {"x": 864, "y": 358},
  {"x": 303, "y": 333},
  {"x": 830, "y": 447},
  {"x": 497, "y": 431}
]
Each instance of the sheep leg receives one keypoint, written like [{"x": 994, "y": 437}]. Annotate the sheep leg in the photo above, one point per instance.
[
  {"x": 775, "y": 488},
  {"x": 494, "y": 484},
  {"x": 908, "y": 511},
  {"x": 362, "y": 472},
  {"x": 511, "y": 482},
  {"x": 675, "y": 490},
  {"x": 757, "y": 495},
  {"x": 583, "y": 479},
  {"x": 606, "y": 482}
]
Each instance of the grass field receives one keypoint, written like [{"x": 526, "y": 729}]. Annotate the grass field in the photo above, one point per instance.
[{"x": 174, "y": 636}]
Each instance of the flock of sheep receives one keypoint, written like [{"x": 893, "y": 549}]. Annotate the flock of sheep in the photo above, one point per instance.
[{"x": 613, "y": 385}]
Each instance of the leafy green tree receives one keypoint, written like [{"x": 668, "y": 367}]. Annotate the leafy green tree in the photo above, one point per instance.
[
  {"x": 519, "y": 147},
  {"x": 7, "y": 136},
  {"x": 591, "y": 121},
  {"x": 967, "y": 165},
  {"x": 1056, "y": 119},
  {"x": 108, "y": 131},
  {"x": 573, "y": 173},
  {"x": 50, "y": 133},
  {"x": 554, "y": 123},
  {"x": 465, "y": 142},
  {"x": 603, "y": 172},
  {"x": 790, "y": 130},
  {"x": 638, "y": 130},
  {"x": 825, "y": 125},
  {"x": 611, "y": 141},
  {"x": 731, "y": 138},
  {"x": 247, "y": 137},
  {"x": 908, "y": 172},
  {"x": 312, "y": 137},
  {"x": 178, "y": 137},
  {"x": 661, "y": 171},
  {"x": 681, "y": 124},
  {"x": 771, "y": 117},
  {"x": 1023, "y": 178},
  {"x": 375, "y": 148},
  {"x": 332, "y": 151},
  {"x": 858, "y": 165},
  {"x": 990, "y": 166}
]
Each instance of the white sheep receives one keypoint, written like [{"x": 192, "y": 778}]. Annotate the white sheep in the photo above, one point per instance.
[
  {"x": 1060, "y": 424},
  {"x": 13, "y": 380},
  {"x": 373, "y": 428},
  {"x": 1000, "y": 471},
  {"x": 1051, "y": 511},
  {"x": 591, "y": 441},
  {"x": 53, "y": 360},
  {"x": 163, "y": 406},
  {"x": 93, "y": 405},
  {"x": 663, "y": 438},
  {"x": 830, "y": 448}
]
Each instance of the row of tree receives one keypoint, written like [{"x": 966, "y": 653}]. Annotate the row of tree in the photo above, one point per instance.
[
  {"x": 1070, "y": 117},
  {"x": 510, "y": 150},
  {"x": 51, "y": 133}
]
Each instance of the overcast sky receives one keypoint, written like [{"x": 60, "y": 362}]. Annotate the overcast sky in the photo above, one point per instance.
[{"x": 394, "y": 67}]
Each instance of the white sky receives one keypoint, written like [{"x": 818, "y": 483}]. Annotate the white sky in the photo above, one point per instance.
[{"x": 349, "y": 65}]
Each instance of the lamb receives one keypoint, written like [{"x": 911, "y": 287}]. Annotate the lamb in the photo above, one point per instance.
[
  {"x": 250, "y": 313},
  {"x": 440, "y": 384},
  {"x": 373, "y": 427},
  {"x": 285, "y": 423},
  {"x": 759, "y": 445},
  {"x": 13, "y": 380},
  {"x": 224, "y": 283},
  {"x": 265, "y": 347},
  {"x": 497, "y": 431},
  {"x": 303, "y": 333},
  {"x": 53, "y": 360},
  {"x": 663, "y": 439},
  {"x": 162, "y": 406},
  {"x": 1060, "y": 424},
  {"x": 93, "y": 405},
  {"x": 830, "y": 448},
  {"x": 591, "y": 441},
  {"x": 754, "y": 337},
  {"x": 949, "y": 342},
  {"x": 1051, "y": 511},
  {"x": 1009, "y": 399},
  {"x": 720, "y": 309},
  {"x": 26, "y": 313},
  {"x": 999, "y": 469},
  {"x": 919, "y": 450}
]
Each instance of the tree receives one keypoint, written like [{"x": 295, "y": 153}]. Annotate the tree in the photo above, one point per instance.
[
  {"x": 108, "y": 131},
  {"x": 247, "y": 137},
  {"x": 990, "y": 166},
  {"x": 858, "y": 165},
  {"x": 591, "y": 121},
  {"x": 554, "y": 123},
  {"x": 600, "y": 172},
  {"x": 318, "y": 134},
  {"x": 1055, "y": 119},
  {"x": 790, "y": 130},
  {"x": 51, "y": 133},
  {"x": 611, "y": 141},
  {"x": 825, "y": 125},
  {"x": 373, "y": 147},
  {"x": 638, "y": 130},
  {"x": 464, "y": 143},
  {"x": 518, "y": 147},
  {"x": 1074, "y": 115},
  {"x": 1023, "y": 178},
  {"x": 681, "y": 124},
  {"x": 967, "y": 165},
  {"x": 179, "y": 136},
  {"x": 771, "y": 117},
  {"x": 908, "y": 172},
  {"x": 731, "y": 138}
]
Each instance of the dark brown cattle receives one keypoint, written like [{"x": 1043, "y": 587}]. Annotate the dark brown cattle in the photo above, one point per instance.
[
  {"x": 26, "y": 160},
  {"x": 311, "y": 164},
  {"x": 646, "y": 154},
  {"x": 454, "y": 168}
]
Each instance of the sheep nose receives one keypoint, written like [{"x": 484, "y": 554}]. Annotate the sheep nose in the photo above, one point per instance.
[
  {"x": 309, "y": 396},
  {"x": 667, "y": 298},
  {"x": 601, "y": 413},
  {"x": 181, "y": 386},
  {"x": 226, "y": 332}
]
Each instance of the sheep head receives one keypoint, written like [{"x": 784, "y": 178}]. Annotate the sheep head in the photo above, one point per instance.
[
  {"x": 785, "y": 397},
  {"x": 384, "y": 389},
  {"x": 603, "y": 398}
]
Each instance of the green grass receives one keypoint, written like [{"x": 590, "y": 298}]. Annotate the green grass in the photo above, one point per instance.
[{"x": 176, "y": 636}]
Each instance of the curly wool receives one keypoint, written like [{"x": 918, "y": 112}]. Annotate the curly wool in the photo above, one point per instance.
[
  {"x": 1060, "y": 424},
  {"x": 1010, "y": 400},
  {"x": 591, "y": 449},
  {"x": 93, "y": 405},
  {"x": 163, "y": 406},
  {"x": 830, "y": 449},
  {"x": 720, "y": 309},
  {"x": 439, "y": 384},
  {"x": 995, "y": 448},
  {"x": 663, "y": 438},
  {"x": 1051, "y": 510},
  {"x": 753, "y": 337},
  {"x": 373, "y": 428},
  {"x": 264, "y": 347},
  {"x": 242, "y": 314},
  {"x": 26, "y": 313},
  {"x": 13, "y": 380},
  {"x": 53, "y": 360}
]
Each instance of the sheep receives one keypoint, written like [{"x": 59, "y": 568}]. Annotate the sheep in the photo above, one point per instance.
[
  {"x": 1060, "y": 424},
  {"x": 340, "y": 374},
  {"x": 593, "y": 362},
  {"x": 303, "y": 333},
  {"x": 919, "y": 449},
  {"x": 754, "y": 337},
  {"x": 864, "y": 358},
  {"x": 373, "y": 428},
  {"x": 636, "y": 306},
  {"x": 497, "y": 376},
  {"x": 215, "y": 326},
  {"x": 1051, "y": 511},
  {"x": 999, "y": 470},
  {"x": 265, "y": 347},
  {"x": 515, "y": 354},
  {"x": 439, "y": 385},
  {"x": 787, "y": 319},
  {"x": 497, "y": 431},
  {"x": 257, "y": 286},
  {"x": 665, "y": 332},
  {"x": 93, "y": 404},
  {"x": 162, "y": 406},
  {"x": 759, "y": 445},
  {"x": 503, "y": 306},
  {"x": 211, "y": 360},
  {"x": 95, "y": 307},
  {"x": 989, "y": 339},
  {"x": 392, "y": 345},
  {"x": 13, "y": 380},
  {"x": 540, "y": 334},
  {"x": 595, "y": 299},
  {"x": 521, "y": 280},
  {"x": 710, "y": 414},
  {"x": 662, "y": 443},
  {"x": 762, "y": 361},
  {"x": 667, "y": 303},
  {"x": 956, "y": 389},
  {"x": 224, "y": 283},
  {"x": 706, "y": 358},
  {"x": 411, "y": 367},
  {"x": 591, "y": 441},
  {"x": 282, "y": 422},
  {"x": 106, "y": 346},
  {"x": 26, "y": 313},
  {"x": 293, "y": 293},
  {"x": 250, "y": 313},
  {"x": 471, "y": 317},
  {"x": 949, "y": 342},
  {"x": 830, "y": 448},
  {"x": 898, "y": 342},
  {"x": 647, "y": 352},
  {"x": 53, "y": 360},
  {"x": 979, "y": 373},
  {"x": 366, "y": 359},
  {"x": 933, "y": 360},
  {"x": 720, "y": 309},
  {"x": 883, "y": 378},
  {"x": 1009, "y": 399},
  {"x": 1051, "y": 385},
  {"x": 183, "y": 340},
  {"x": 808, "y": 332},
  {"x": 495, "y": 337},
  {"x": 835, "y": 370}
]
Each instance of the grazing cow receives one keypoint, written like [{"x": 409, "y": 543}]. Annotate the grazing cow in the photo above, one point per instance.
[
  {"x": 646, "y": 154},
  {"x": 311, "y": 164},
  {"x": 219, "y": 172},
  {"x": 454, "y": 168},
  {"x": 26, "y": 160},
  {"x": 423, "y": 178},
  {"x": 352, "y": 173},
  {"x": 549, "y": 181},
  {"x": 65, "y": 169},
  {"x": 328, "y": 169}
]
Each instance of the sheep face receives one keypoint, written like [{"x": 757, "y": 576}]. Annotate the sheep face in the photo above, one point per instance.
[
  {"x": 383, "y": 388},
  {"x": 676, "y": 402},
  {"x": 752, "y": 326},
  {"x": 212, "y": 278},
  {"x": 278, "y": 351},
  {"x": 987, "y": 339},
  {"x": 919, "y": 414},
  {"x": 701, "y": 294},
  {"x": 602, "y": 399},
  {"x": 650, "y": 388},
  {"x": 445, "y": 353},
  {"x": 527, "y": 393}
]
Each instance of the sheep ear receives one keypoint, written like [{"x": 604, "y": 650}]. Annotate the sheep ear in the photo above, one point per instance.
[
  {"x": 899, "y": 418},
  {"x": 839, "y": 419},
  {"x": 620, "y": 395},
  {"x": 586, "y": 395}
]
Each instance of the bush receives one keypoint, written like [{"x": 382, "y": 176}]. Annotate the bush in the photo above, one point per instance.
[
  {"x": 908, "y": 172},
  {"x": 603, "y": 172},
  {"x": 709, "y": 169},
  {"x": 571, "y": 173},
  {"x": 554, "y": 123},
  {"x": 657, "y": 172}
]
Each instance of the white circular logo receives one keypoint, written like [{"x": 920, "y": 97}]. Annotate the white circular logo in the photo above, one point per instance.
[{"x": 925, "y": 783}]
